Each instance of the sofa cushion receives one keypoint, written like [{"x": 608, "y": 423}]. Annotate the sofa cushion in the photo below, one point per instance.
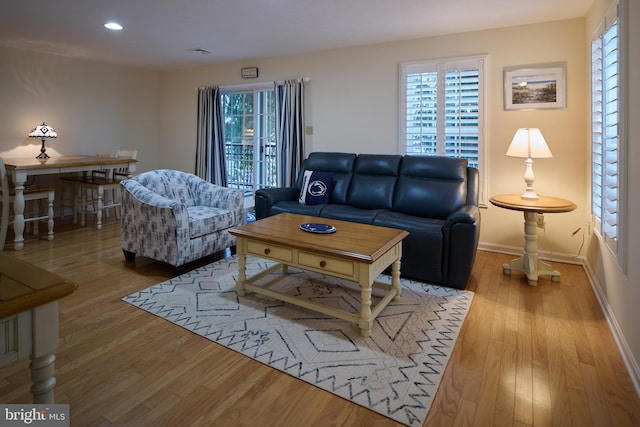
[
  {"x": 206, "y": 220},
  {"x": 316, "y": 188},
  {"x": 349, "y": 213},
  {"x": 431, "y": 187},
  {"x": 296, "y": 208},
  {"x": 373, "y": 181},
  {"x": 340, "y": 164}
]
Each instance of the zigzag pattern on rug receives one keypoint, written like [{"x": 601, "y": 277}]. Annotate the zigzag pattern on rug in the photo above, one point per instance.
[{"x": 395, "y": 372}]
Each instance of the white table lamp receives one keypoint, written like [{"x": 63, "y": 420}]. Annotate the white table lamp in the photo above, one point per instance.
[{"x": 529, "y": 143}]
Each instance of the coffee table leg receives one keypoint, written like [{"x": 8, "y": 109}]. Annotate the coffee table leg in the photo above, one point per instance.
[
  {"x": 242, "y": 274},
  {"x": 365, "y": 309},
  {"x": 395, "y": 279}
]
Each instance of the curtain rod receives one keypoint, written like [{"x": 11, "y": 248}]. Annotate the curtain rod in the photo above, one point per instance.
[{"x": 239, "y": 85}]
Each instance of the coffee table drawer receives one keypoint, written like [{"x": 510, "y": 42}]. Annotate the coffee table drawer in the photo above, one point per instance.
[
  {"x": 271, "y": 251},
  {"x": 333, "y": 265}
]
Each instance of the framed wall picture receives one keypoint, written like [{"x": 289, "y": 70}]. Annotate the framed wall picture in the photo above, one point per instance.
[
  {"x": 535, "y": 87},
  {"x": 249, "y": 73}
]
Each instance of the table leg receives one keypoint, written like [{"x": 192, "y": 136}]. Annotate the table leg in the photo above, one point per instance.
[
  {"x": 528, "y": 263},
  {"x": 44, "y": 342},
  {"x": 50, "y": 201},
  {"x": 100, "y": 207},
  {"x": 365, "y": 322},
  {"x": 242, "y": 270},
  {"x": 18, "y": 215},
  {"x": 395, "y": 279}
]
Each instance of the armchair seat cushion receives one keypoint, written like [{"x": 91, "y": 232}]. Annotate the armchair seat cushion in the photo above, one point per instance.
[{"x": 206, "y": 220}]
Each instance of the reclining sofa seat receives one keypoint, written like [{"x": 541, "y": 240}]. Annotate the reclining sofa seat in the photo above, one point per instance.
[{"x": 435, "y": 199}]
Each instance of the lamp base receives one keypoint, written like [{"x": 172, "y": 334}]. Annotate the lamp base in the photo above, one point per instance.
[
  {"x": 43, "y": 154},
  {"x": 529, "y": 195}
]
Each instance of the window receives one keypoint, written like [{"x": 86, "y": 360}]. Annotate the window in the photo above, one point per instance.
[
  {"x": 606, "y": 132},
  {"x": 442, "y": 111},
  {"x": 250, "y": 139}
]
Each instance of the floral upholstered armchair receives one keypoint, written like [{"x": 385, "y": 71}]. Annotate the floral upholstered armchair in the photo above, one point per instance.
[{"x": 176, "y": 217}]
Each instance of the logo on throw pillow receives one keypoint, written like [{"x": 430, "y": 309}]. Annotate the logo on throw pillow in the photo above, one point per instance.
[{"x": 317, "y": 188}]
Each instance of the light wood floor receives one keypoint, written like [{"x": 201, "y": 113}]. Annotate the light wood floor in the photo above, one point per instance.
[{"x": 526, "y": 356}]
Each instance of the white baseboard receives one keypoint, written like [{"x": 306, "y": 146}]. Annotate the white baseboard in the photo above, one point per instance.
[
  {"x": 621, "y": 342},
  {"x": 545, "y": 255}
]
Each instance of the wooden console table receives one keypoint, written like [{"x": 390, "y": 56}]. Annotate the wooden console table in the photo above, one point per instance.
[
  {"x": 29, "y": 320},
  {"x": 529, "y": 263}
]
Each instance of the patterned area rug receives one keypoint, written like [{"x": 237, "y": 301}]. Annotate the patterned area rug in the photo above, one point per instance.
[{"x": 395, "y": 372}]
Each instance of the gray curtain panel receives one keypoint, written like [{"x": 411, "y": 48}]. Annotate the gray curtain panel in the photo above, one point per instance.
[
  {"x": 211, "y": 162},
  {"x": 289, "y": 129}
]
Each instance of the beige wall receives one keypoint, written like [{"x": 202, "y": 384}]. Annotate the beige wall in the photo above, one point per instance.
[
  {"x": 90, "y": 105},
  {"x": 352, "y": 104},
  {"x": 619, "y": 289}
]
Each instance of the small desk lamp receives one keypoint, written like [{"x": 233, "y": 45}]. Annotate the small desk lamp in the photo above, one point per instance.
[
  {"x": 43, "y": 131},
  {"x": 529, "y": 143}
]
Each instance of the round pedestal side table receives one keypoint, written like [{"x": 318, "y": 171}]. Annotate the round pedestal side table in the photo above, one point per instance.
[{"x": 528, "y": 263}]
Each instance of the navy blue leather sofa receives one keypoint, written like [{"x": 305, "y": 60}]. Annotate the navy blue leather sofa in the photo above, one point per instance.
[{"x": 435, "y": 199}]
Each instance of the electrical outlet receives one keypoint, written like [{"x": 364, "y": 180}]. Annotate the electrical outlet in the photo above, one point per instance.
[{"x": 540, "y": 220}]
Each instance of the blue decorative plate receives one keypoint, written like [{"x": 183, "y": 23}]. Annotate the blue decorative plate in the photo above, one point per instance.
[{"x": 313, "y": 227}]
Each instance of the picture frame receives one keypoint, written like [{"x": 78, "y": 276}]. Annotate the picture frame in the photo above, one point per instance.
[
  {"x": 249, "y": 72},
  {"x": 535, "y": 87}
]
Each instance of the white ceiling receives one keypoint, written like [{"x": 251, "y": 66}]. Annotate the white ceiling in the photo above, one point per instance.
[{"x": 158, "y": 33}]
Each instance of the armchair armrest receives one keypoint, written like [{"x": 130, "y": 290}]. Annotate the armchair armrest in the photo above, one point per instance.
[
  {"x": 146, "y": 196},
  {"x": 208, "y": 194}
]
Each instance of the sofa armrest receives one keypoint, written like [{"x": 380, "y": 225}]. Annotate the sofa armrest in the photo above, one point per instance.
[
  {"x": 461, "y": 235},
  {"x": 267, "y": 197},
  {"x": 468, "y": 214}
]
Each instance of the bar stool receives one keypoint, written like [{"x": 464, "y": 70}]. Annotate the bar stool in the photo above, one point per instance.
[
  {"x": 74, "y": 184},
  {"x": 95, "y": 186}
]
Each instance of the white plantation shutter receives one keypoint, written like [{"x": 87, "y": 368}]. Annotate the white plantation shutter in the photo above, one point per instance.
[
  {"x": 605, "y": 129},
  {"x": 461, "y": 114},
  {"x": 441, "y": 111}
]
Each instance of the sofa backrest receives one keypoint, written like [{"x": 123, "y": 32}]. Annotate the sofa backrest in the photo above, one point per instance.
[
  {"x": 340, "y": 164},
  {"x": 374, "y": 180},
  {"x": 172, "y": 184},
  {"x": 431, "y": 186}
]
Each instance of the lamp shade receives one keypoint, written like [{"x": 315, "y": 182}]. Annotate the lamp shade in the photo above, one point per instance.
[
  {"x": 529, "y": 144},
  {"x": 43, "y": 131}
]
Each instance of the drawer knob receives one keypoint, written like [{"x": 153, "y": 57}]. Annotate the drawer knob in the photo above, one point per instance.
[
  {"x": 267, "y": 251},
  {"x": 323, "y": 264}
]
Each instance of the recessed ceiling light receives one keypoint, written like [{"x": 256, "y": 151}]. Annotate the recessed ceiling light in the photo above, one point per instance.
[{"x": 113, "y": 26}]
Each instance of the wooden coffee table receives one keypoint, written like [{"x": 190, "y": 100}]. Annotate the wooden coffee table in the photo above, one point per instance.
[{"x": 356, "y": 252}]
